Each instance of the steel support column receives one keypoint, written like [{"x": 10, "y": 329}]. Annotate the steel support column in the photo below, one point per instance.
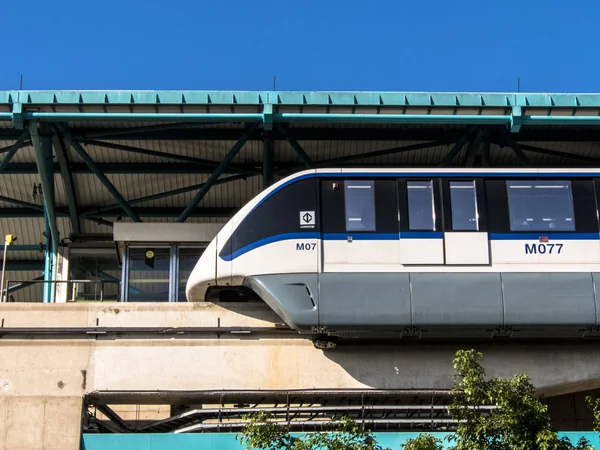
[
  {"x": 105, "y": 181},
  {"x": 297, "y": 148},
  {"x": 13, "y": 150},
  {"x": 456, "y": 149},
  {"x": 485, "y": 152},
  {"x": 523, "y": 160},
  {"x": 63, "y": 162},
  {"x": 267, "y": 162},
  {"x": 42, "y": 144},
  {"x": 472, "y": 149},
  {"x": 216, "y": 174}
]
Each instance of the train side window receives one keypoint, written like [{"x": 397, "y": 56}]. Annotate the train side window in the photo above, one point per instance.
[
  {"x": 463, "y": 200},
  {"x": 540, "y": 205},
  {"x": 360, "y": 205},
  {"x": 421, "y": 210}
]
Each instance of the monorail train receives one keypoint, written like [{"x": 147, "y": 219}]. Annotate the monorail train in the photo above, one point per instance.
[{"x": 486, "y": 252}]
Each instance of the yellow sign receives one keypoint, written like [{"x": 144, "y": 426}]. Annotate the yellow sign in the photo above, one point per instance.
[
  {"x": 149, "y": 254},
  {"x": 9, "y": 239}
]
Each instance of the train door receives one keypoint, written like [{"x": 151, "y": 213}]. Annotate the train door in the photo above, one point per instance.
[
  {"x": 466, "y": 239},
  {"x": 421, "y": 234},
  {"x": 359, "y": 225}
]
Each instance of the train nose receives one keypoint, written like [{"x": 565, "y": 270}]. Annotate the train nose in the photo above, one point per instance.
[{"x": 204, "y": 274}]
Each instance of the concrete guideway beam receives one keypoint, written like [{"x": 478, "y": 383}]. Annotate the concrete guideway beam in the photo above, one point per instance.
[{"x": 243, "y": 362}]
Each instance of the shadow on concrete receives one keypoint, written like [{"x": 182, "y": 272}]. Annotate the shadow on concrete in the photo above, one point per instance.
[{"x": 555, "y": 368}]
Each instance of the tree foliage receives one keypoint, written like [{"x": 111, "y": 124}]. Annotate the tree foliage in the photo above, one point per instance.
[
  {"x": 424, "y": 441},
  {"x": 492, "y": 414},
  {"x": 498, "y": 413},
  {"x": 262, "y": 433}
]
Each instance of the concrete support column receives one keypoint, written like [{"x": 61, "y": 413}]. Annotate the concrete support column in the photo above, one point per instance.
[
  {"x": 40, "y": 423},
  {"x": 62, "y": 274}
]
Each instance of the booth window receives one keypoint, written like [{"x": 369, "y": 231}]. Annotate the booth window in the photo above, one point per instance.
[
  {"x": 149, "y": 274},
  {"x": 188, "y": 258}
]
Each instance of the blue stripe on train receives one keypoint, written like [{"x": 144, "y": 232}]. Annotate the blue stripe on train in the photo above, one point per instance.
[
  {"x": 405, "y": 235},
  {"x": 537, "y": 236}
]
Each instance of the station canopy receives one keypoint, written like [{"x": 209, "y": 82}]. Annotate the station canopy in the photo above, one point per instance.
[{"x": 98, "y": 157}]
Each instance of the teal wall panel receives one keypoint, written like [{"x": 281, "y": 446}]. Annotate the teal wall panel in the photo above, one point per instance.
[{"x": 227, "y": 441}]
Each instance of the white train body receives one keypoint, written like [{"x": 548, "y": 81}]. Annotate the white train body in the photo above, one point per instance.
[{"x": 425, "y": 249}]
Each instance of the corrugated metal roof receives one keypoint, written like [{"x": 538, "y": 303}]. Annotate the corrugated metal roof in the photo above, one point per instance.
[{"x": 91, "y": 193}]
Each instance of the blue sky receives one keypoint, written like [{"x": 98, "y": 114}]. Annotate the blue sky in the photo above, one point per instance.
[{"x": 394, "y": 45}]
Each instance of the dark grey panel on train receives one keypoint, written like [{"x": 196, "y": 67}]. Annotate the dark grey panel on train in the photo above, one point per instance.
[
  {"x": 373, "y": 300},
  {"x": 294, "y": 297},
  {"x": 548, "y": 298},
  {"x": 456, "y": 298},
  {"x": 359, "y": 299}
]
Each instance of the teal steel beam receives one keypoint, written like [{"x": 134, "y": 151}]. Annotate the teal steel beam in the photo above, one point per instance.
[
  {"x": 560, "y": 120},
  {"x": 216, "y": 174},
  {"x": 516, "y": 119},
  {"x": 27, "y": 212},
  {"x": 25, "y": 143},
  {"x": 296, "y": 147},
  {"x": 26, "y": 248},
  {"x": 42, "y": 144},
  {"x": 148, "y": 198},
  {"x": 13, "y": 150},
  {"x": 69, "y": 186},
  {"x": 14, "y": 201},
  {"x": 105, "y": 181},
  {"x": 25, "y": 265},
  {"x": 137, "y": 117},
  {"x": 462, "y": 119},
  {"x": 208, "y": 165}
]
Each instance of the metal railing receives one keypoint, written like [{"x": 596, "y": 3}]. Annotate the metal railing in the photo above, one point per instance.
[{"x": 76, "y": 290}]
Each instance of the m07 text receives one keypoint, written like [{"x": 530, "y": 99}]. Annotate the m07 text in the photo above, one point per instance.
[
  {"x": 306, "y": 246},
  {"x": 542, "y": 249}
]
